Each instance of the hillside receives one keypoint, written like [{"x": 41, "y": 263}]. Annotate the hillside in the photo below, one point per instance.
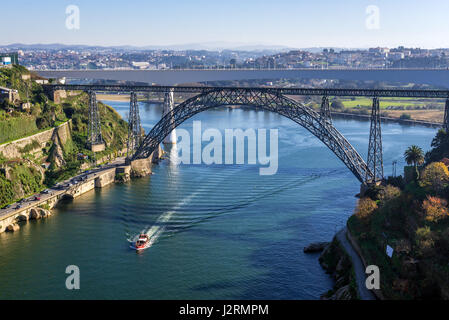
[
  {"x": 57, "y": 136},
  {"x": 410, "y": 214}
]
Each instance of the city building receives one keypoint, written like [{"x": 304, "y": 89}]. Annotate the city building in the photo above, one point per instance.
[{"x": 9, "y": 58}]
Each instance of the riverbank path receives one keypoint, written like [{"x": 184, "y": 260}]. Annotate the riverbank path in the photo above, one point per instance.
[{"x": 359, "y": 269}]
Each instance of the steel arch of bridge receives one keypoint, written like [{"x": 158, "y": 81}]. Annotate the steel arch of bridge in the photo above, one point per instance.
[{"x": 320, "y": 127}]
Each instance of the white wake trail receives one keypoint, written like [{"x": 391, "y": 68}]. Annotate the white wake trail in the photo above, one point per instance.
[{"x": 157, "y": 229}]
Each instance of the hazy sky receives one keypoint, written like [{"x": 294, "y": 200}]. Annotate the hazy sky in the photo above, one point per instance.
[{"x": 294, "y": 23}]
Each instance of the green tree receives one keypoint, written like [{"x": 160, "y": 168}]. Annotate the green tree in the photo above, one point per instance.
[
  {"x": 414, "y": 155},
  {"x": 364, "y": 209},
  {"x": 435, "y": 176},
  {"x": 425, "y": 241},
  {"x": 440, "y": 147},
  {"x": 337, "y": 104}
]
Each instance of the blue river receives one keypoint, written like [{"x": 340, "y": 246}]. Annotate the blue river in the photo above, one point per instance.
[{"x": 220, "y": 231}]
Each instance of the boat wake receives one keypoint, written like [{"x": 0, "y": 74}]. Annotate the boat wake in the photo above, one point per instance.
[
  {"x": 163, "y": 221},
  {"x": 154, "y": 232}
]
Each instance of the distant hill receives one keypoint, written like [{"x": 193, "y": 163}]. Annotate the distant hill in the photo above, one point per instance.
[{"x": 210, "y": 46}]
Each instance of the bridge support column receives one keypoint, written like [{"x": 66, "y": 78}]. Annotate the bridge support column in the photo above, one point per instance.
[
  {"x": 375, "y": 160},
  {"x": 134, "y": 128},
  {"x": 325, "y": 111},
  {"x": 94, "y": 137},
  {"x": 168, "y": 109},
  {"x": 446, "y": 116}
]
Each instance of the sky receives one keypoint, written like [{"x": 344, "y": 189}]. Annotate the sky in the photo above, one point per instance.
[{"x": 291, "y": 23}]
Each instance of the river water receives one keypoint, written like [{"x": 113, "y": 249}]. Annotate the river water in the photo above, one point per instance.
[{"x": 223, "y": 231}]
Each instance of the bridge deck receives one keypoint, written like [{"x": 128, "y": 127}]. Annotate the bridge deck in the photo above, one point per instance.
[
  {"x": 405, "y": 93},
  {"x": 436, "y": 77}
]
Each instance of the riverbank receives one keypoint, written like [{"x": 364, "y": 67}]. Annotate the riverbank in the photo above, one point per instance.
[
  {"x": 342, "y": 259},
  {"x": 364, "y": 117},
  {"x": 38, "y": 205},
  {"x": 155, "y": 99},
  {"x": 113, "y": 97}
]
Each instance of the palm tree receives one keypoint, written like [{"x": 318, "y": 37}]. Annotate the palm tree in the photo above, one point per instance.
[{"x": 415, "y": 155}]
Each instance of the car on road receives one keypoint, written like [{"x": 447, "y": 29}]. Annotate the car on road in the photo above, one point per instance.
[
  {"x": 37, "y": 198},
  {"x": 18, "y": 206},
  {"x": 46, "y": 191}
]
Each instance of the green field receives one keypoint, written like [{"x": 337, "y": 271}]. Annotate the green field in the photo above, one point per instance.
[{"x": 387, "y": 102}]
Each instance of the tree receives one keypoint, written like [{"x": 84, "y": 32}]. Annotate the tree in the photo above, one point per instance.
[
  {"x": 389, "y": 192},
  {"x": 435, "y": 176},
  {"x": 440, "y": 147},
  {"x": 435, "y": 209},
  {"x": 337, "y": 104},
  {"x": 365, "y": 208},
  {"x": 424, "y": 240},
  {"x": 414, "y": 155}
]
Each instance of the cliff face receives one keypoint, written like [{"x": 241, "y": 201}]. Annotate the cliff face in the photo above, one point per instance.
[
  {"x": 34, "y": 144},
  {"x": 31, "y": 162}
]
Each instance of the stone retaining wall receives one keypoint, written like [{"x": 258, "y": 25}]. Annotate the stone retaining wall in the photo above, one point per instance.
[{"x": 13, "y": 149}]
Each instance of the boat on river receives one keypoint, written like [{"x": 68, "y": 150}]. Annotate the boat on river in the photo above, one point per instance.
[{"x": 142, "y": 242}]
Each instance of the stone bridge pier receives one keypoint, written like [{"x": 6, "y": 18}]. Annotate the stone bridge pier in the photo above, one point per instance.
[{"x": 142, "y": 167}]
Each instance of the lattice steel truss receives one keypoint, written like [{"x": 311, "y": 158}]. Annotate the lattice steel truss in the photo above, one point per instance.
[
  {"x": 134, "y": 128},
  {"x": 446, "y": 116},
  {"x": 325, "y": 110},
  {"x": 275, "y": 102},
  {"x": 168, "y": 108},
  {"x": 375, "y": 159},
  {"x": 409, "y": 93},
  {"x": 94, "y": 127}
]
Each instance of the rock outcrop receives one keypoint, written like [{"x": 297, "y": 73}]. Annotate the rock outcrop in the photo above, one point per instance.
[
  {"x": 57, "y": 154},
  {"x": 316, "y": 247},
  {"x": 337, "y": 263},
  {"x": 15, "y": 148}
]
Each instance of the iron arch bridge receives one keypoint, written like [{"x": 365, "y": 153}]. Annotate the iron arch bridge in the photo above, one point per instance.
[
  {"x": 319, "y": 124},
  {"x": 272, "y": 99}
]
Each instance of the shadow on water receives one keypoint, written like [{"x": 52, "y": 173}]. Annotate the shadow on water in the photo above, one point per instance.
[{"x": 279, "y": 279}]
